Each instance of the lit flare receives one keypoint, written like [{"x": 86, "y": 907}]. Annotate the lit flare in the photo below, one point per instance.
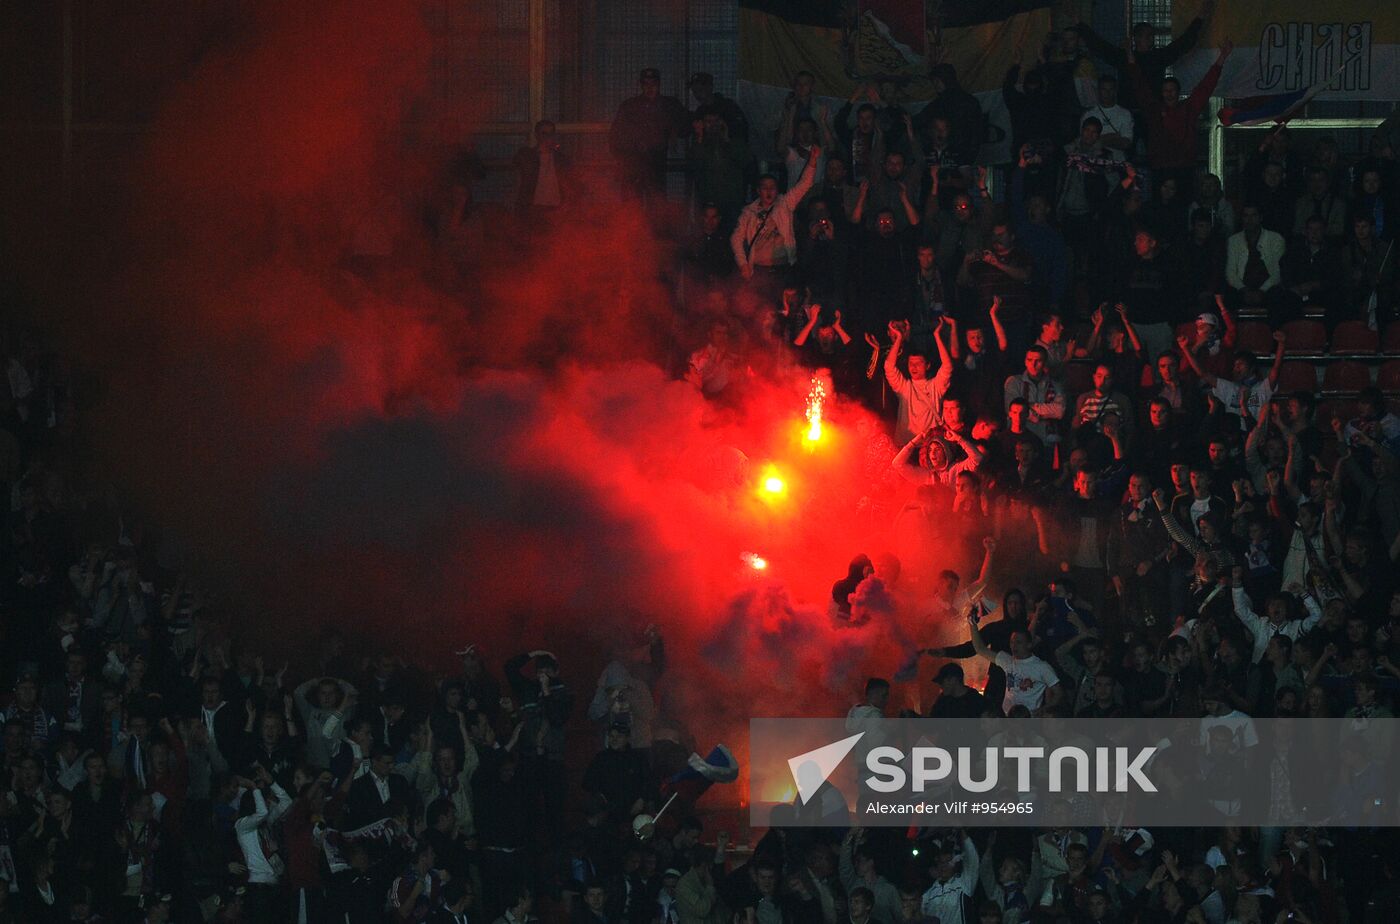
[{"x": 816, "y": 400}]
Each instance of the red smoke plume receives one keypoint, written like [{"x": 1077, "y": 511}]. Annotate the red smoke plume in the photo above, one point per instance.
[{"x": 504, "y": 460}]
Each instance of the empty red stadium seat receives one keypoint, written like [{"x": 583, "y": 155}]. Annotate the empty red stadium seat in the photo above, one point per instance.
[
  {"x": 1388, "y": 376},
  {"x": 1255, "y": 336},
  {"x": 1390, "y": 340},
  {"x": 1346, "y": 376},
  {"x": 1354, "y": 337},
  {"x": 1297, "y": 375},
  {"x": 1305, "y": 336}
]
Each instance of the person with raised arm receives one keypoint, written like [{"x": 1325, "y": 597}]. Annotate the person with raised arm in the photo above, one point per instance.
[
  {"x": 1030, "y": 681},
  {"x": 920, "y": 397},
  {"x": 1172, "y": 121}
]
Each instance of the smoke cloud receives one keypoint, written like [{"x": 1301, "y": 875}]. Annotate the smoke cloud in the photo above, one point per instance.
[{"x": 430, "y": 456}]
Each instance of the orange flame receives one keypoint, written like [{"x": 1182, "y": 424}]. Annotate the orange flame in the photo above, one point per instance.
[{"x": 777, "y": 792}]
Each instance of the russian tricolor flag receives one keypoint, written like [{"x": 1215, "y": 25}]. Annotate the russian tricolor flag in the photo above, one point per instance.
[{"x": 1254, "y": 110}]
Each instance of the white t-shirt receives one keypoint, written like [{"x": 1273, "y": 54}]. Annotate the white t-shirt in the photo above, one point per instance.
[
  {"x": 1229, "y": 394},
  {"x": 1199, "y": 508},
  {"x": 1241, "y": 728},
  {"x": 1027, "y": 679},
  {"x": 1116, "y": 120}
]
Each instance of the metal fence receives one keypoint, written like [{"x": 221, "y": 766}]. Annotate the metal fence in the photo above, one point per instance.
[{"x": 502, "y": 65}]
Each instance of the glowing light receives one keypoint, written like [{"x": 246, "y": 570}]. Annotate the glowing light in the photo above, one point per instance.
[
  {"x": 816, "y": 400},
  {"x": 755, "y": 562},
  {"x": 772, "y": 486},
  {"x": 780, "y": 793}
]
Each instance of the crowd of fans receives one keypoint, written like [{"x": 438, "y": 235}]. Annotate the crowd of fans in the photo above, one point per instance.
[{"x": 1190, "y": 541}]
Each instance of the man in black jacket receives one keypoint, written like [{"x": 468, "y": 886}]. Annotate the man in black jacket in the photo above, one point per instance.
[
  {"x": 74, "y": 700},
  {"x": 709, "y": 259},
  {"x": 223, "y": 720},
  {"x": 545, "y": 703},
  {"x": 377, "y": 793},
  {"x": 619, "y": 775},
  {"x": 640, "y": 135},
  {"x": 97, "y": 801},
  {"x": 358, "y": 892},
  {"x": 702, "y": 88},
  {"x": 958, "y": 700},
  {"x": 1312, "y": 274}
]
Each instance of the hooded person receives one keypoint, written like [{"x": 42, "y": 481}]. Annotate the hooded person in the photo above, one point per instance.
[
  {"x": 959, "y": 107},
  {"x": 624, "y": 698},
  {"x": 940, "y": 460},
  {"x": 861, "y": 568}
]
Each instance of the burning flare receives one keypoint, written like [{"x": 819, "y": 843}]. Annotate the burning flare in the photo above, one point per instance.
[
  {"x": 754, "y": 561},
  {"x": 816, "y": 398}
]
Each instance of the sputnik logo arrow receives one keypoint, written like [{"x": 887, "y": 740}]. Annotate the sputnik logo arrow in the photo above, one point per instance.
[{"x": 812, "y": 769}]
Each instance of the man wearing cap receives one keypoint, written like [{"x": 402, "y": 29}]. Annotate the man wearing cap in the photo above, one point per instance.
[
  {"x": 957, "y": 700},
  {"x": 1246, "y": 392},
  {"x": 702, "y": 89},
  {"x": 1209, "y": 339},
  {"x": 641, "y": 133},
  {"x": 667, "y": 909}
]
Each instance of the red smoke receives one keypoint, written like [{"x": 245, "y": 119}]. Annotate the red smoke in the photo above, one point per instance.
[{"x": 507, "y": 460}]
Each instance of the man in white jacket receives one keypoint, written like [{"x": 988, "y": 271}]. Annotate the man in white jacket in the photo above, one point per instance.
[
  {"x": 1275, "y": 620},
  {"x": 256, "y": 817},
  {"x": 1252, "y": 259},
  {"x": 952, "y": 885},
  {"x": 763, "y": 241}
]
